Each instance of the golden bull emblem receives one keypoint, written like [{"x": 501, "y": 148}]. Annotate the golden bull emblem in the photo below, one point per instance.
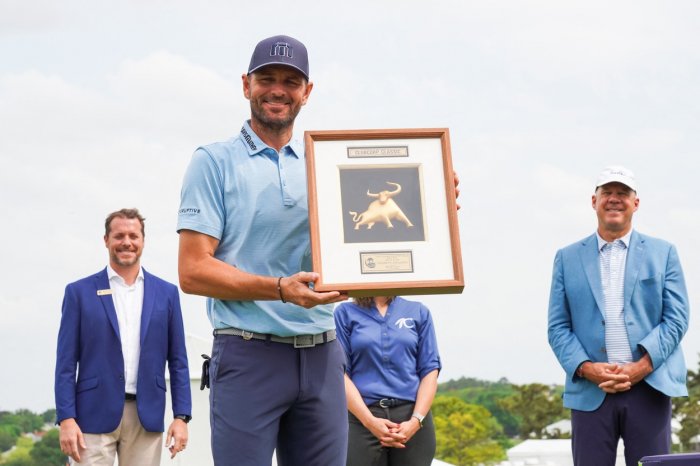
[{"x": 383, "y": 209}]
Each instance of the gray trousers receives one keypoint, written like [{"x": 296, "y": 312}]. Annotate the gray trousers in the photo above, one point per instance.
[{"x": 364, "y": 448}]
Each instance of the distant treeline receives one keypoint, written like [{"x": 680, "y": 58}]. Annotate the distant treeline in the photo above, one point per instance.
[{"x": 23, "y": 433}]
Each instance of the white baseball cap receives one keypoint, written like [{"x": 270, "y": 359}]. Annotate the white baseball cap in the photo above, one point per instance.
[{"x": 617, "y": 174}]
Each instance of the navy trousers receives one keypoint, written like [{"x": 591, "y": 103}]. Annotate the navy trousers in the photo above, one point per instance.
[
  {"x": 641, "y": 417},
  {"x": 266, "y": 395}
]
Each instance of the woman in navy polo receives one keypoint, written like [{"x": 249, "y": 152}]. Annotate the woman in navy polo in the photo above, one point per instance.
[{"x": 390, "y": 380}]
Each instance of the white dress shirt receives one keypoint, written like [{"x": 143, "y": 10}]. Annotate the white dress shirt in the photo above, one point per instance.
[{"x": 128, "y": 301}]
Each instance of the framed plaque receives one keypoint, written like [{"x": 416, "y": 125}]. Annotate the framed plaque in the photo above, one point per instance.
[{"x": 382, "y": 212}]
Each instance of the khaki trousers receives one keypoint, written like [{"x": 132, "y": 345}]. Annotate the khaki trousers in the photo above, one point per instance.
[{"x": 129, "y": 442}]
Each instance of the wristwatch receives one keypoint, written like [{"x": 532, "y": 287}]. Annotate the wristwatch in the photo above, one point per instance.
[
  {"x": 183, "y": 417},
  {"x": 420, "y": 418}
]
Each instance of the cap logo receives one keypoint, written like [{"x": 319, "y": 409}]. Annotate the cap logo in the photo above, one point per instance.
[{"x": 282, "y": 49}]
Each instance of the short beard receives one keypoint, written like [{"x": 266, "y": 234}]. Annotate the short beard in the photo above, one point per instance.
[
  {"x": 122, "y": 263},
  {"x": 273, "y": 125}
]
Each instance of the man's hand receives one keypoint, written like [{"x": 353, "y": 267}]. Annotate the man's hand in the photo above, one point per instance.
[
  {"x": 386, "y": 432},
  {"x": 638, "y": 370},
  {"x": 609, "y": 377},
  {"x": 295, "y": 289},
  {"x": 176, "y": 440},
  {"x": 71, "y": 439}
]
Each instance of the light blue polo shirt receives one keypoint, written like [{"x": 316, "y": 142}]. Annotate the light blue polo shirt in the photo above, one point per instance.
[
  {"x": 253, "y": 200},
  {"x": 387, "y": 356}
]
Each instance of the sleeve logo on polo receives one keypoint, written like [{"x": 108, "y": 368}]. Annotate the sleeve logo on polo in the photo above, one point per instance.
[
  {"x": 189, "y": 211},
  {"x": 405, "y": 322}
]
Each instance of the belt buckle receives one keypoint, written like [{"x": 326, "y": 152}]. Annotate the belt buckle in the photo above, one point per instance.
[
  {"x": 304, "y": 341},
  {"x": 385, "y": 403},
  {"x": 246, "y": 335}
]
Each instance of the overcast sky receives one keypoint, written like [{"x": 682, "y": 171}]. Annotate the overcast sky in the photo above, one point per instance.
[{"x": 102, "y": 104}]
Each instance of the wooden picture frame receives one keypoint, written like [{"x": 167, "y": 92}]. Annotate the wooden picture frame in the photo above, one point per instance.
[{"x": 382, "y": 212}]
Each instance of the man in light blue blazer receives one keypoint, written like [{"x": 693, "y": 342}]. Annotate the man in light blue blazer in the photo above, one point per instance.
[
  {"x": 118, "y": 329},
  {"x": 618, "y": 310}
]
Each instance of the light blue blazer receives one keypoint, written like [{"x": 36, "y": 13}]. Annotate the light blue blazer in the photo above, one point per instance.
[{"x": 656, "y": 312}]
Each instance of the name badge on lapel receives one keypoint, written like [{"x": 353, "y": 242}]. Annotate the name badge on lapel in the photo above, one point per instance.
[{"x": 103, "y": 292}]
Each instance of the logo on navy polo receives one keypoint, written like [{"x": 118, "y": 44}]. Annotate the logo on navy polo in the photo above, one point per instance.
[
  {"x": 247, "y": 138},
  {"x": 282, "y": 49},
  {"x": 405, "y": 322}
]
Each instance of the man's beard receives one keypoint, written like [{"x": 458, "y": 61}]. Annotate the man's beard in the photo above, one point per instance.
[
  {"x": 273, "y": 124},
  {"x": 127, "y": 262}
]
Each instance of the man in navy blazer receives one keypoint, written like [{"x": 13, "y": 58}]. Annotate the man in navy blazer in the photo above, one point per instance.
[
  {"x": 118, "y": 329},
  {"x": 618, "y": 310}
]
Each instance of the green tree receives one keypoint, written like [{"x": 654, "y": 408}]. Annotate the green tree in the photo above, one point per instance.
[
  {"x": 8, "y": 436},
  {"x": 26, "y": 420},
  {"x": 47, "y": 452},
  {"x": 20, "y": 455},
  {"x": 465, "y": 433},
  {"x": 687, "y": 410},
  {"x": 49, "y": 416},
  {"x": 6, "y": 440},
  {"x": 536, "y": 405},
  {"x": 19, "y": 460},
  {"x": 490, "y": 399},
  {"x": 486, "y": 394}
]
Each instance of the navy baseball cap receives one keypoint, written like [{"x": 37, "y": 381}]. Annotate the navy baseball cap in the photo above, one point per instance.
[{"x": 280, "y": 50}]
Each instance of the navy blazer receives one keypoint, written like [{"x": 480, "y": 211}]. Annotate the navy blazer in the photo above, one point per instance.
[
  {"x": 656, "y": 312},
  {"x": 89, "y": 345}
]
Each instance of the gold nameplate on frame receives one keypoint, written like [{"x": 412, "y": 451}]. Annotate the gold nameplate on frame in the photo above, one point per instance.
[{"x": 386, "y": 262}]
